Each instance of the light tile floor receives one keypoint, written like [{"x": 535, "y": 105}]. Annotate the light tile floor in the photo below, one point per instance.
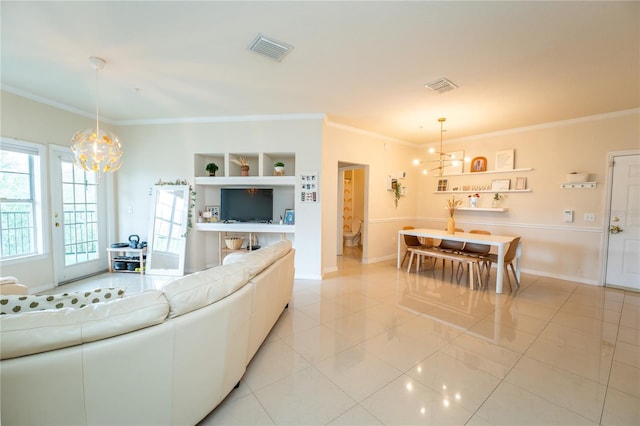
[{"x": 373, "y": 345}]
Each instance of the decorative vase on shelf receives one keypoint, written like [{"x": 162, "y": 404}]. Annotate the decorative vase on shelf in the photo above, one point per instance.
[
  {"x": 451, "y": 225},
  {"x": 495, "y": 203},
  {"x": 473, "y": 202},
  {"x": 244, "y": 170}
]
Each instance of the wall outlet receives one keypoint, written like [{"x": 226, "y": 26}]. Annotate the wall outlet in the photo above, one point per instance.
[{"x": 589, "y": 217}]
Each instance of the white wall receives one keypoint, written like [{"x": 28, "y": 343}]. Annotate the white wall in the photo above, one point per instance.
[{"x": 166, "y": 151}]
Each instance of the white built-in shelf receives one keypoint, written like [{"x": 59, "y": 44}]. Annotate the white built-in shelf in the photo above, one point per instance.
[
  {"x": 579, "y": 185},
  {"x": 488, "y": 172},
  {"x": 484, "y": 209},
  {"x": 246, "y": 227},
  {"x": 246, "y": 180},
  {"x": 483, "y": 191}
]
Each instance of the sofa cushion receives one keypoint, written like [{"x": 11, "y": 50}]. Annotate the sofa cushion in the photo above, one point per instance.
[
  {"x": 202, "y": 288},
  {"x": 40, "y": 331},
  {"x": 258, "y": 260},
  {"x": 15, "y": 304}
]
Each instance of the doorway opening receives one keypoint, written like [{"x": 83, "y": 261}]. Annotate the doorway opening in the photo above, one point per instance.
[{"x": 352, "y": 214}]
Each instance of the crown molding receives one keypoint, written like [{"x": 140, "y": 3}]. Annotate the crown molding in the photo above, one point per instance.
[{"x": 550, "y": 125}]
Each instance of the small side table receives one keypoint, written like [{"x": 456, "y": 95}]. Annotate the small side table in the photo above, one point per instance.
[{"x": 138, "y": 252}]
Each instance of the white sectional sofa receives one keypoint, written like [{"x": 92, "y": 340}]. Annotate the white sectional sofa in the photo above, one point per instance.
[{"x": 154, "y": 358}]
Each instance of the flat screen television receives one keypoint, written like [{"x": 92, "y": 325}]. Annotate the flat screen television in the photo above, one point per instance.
[{"x": 246, "y": 204}]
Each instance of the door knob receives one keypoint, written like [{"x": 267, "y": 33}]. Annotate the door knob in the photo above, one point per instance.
[
  {"x": 614, "y": 229},
  {"x": 57, "y": 224},
  {"x": 615, "y": 219}
]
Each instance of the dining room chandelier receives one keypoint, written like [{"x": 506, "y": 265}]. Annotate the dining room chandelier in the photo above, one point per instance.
[
  {"x": 97, "y": 150},
  {"x": 444, "y": 159}
]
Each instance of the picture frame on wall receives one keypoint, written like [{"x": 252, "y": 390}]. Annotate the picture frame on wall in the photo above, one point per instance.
[
  {"x": 498, "y": 185},
  {"x": 504, "y": 160},
  {"x": 479, "y": 164},
  {"x": 521, "y": 183},
  {"x": 215, "y": 212},
  {"x": 442, "y": 185},
  {"x": 451, "y": 157},
  {"x": 289, "y": 217}
]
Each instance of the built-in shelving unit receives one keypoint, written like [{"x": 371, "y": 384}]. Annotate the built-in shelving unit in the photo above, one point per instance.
[{"x": 261, "y": 174}]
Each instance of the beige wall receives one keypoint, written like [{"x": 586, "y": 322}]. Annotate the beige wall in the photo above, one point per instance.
[
  {"x": 551, "y": 247},
  {"x": 30, "y": 121}
]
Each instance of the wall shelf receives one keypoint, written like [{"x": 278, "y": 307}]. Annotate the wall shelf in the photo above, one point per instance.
[
  {"x": 484, "y": 209},
  {"x": 578, "y": 185},
  {"x": 488, "y": 172},
  {"x": 483, "y": 191},
  {"x": 246, "y": 180}
]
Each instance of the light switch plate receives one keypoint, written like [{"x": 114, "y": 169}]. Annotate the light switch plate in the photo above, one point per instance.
[{"x": 567, "y": 216}]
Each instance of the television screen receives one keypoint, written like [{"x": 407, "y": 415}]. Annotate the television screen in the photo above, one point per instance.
[{"x": 246, "y": 204}]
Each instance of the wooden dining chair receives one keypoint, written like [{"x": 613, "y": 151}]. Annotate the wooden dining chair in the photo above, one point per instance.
[
  {"x": 478, "y": 249},
  {"x": 451, "y": 247},
  {"x": 411, "y": 241},
  {"x": 509, "y": 257}
]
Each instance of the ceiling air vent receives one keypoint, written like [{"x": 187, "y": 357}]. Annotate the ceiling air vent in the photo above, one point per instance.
[
  {"x": 270, "y": 48},
  {"x": 441, "y": 85}
]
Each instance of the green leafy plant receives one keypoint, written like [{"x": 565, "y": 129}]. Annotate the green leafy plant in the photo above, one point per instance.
[
  {"x": 278, "y": 164},
  {"x": 212, "y": 168},
  {"x": 397, "y": 193}
]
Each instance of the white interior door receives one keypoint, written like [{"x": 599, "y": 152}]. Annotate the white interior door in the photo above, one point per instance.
[
  {"x": 623, "y": 267},
  {"x": 79, "y": 219}
]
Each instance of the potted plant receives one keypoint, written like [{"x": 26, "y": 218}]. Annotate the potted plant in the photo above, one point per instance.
[
  {"x": 278, "y": 167},
  {"x": 244, "y": 165},
  {"x": 496, "y": 199},
  {"x": 212, "y": 168}
]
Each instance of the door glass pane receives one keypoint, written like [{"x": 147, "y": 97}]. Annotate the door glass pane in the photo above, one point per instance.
[{"x": 79, "y": 194}]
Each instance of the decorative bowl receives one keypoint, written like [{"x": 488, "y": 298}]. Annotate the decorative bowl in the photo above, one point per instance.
[{"x": 233, "y": 243}]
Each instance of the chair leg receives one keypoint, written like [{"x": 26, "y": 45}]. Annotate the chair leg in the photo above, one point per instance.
[
  {"x": 403, "y": 258},
  {"x": 410, "y": 261},
  {"x": 506, "y": 275},
  {"x": 479, "y": 275},
  {"x": 515, "y": 276}
]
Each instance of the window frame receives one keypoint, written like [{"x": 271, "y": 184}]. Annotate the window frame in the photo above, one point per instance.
[{"x": 39, "y": 202}]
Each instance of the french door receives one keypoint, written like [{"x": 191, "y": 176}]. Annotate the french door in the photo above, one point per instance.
[{"x": 79, "y": 228}]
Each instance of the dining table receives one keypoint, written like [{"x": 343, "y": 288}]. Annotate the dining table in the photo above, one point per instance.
[{"x": 501, "y": 242}]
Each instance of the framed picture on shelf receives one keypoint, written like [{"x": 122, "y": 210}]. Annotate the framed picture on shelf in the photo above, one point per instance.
[
  {"x": 289, "y": 217},
  {"x": 479, "y": 164},
  {"x": 450, "y": 169},
  {"x": 504, "y": 160},
  {"x": 498, "y": 185},
  {"x": 521, "y": 183},
  {"x": 215, "y": 212},
  {"x": 443, "y": 184}
]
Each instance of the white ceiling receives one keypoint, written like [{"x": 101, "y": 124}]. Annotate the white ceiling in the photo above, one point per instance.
[{"x": 362, "y": 63}]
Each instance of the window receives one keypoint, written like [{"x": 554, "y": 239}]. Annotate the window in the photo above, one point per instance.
[{"x": 20, "y": 199}]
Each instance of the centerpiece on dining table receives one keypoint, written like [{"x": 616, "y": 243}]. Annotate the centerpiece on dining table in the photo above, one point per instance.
[{"x": 452, "y": 206}]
